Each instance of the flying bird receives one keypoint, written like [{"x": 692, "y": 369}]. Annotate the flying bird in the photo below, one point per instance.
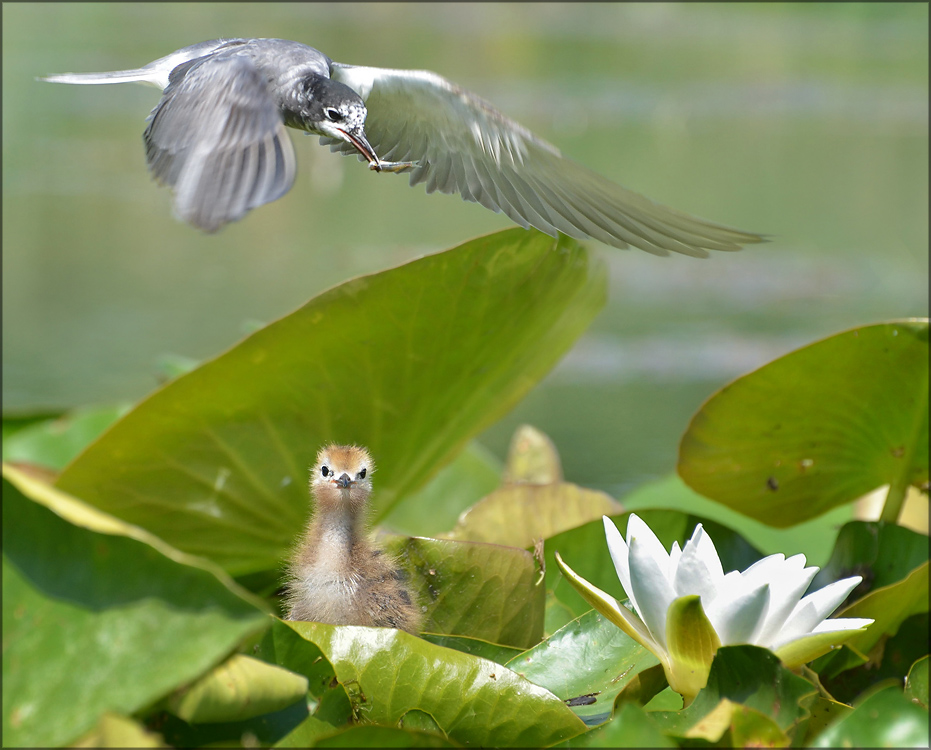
[
  {"x": 217, "y": 138},
  {"x": 337, "y": 574}
]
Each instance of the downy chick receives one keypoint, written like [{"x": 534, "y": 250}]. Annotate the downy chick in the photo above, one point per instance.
[{"x": 336, "y": 574}]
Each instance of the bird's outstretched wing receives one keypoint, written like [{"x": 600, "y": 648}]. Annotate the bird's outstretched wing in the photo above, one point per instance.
[
  {"x": 218, "y": 139},
  {"x": 464, "y": 145}
]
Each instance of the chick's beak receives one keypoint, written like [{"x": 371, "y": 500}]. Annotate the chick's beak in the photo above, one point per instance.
[{"x": 344, "y": 482}]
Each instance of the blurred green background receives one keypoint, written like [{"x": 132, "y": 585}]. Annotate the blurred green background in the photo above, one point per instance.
[{"x": 808, "y": 122}]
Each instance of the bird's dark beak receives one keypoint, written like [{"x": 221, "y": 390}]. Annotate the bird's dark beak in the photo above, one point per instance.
[
  {"x": 343, "y": 482},
  {"x": 360, "y": 143}
]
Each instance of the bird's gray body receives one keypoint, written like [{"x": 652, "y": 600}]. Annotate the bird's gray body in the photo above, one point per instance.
[{"x": 217, "y": 138}]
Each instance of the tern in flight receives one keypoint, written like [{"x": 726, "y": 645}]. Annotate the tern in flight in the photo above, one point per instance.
[{"x": 217, "y": 138}]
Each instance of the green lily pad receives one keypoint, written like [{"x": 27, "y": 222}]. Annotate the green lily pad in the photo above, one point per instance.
[
  {"x": 518, "y": 515},
  {"x": 824, "y": 712},
  {"x": 532, "y": 458},
  {"x": 52, "y": 443},
  {"x": 886, "y": 718},
  {"x": 101, "y": 617},
  {"x": 369, "y": 736},
  {"x": 410, "y": 362},
  {"x": 474, "y": 701},
  {"x": 916, "y": 684},
  {"x": 533, "y": 502},
  {"x": 483, "y": 591},
  {"x": 240, "y": 688},
  {"x": 889, "y": 606},
  {"x": 850, "y": 674},
  {"x": 115, "y": 730},
  {"x": 817, "y": 428},
  {"x": 474, "y": 647},
  {"x": 882, "y": 553},
  {"x": 749, "y": 694},
  {"x": 630, "y": 727},
  {"x": 587, "y": 663},
  {"x": 261, "y": 731},
  {"x": 672, "y": 493}
]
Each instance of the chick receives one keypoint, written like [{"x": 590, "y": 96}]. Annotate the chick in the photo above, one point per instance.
[{"x": 337, "y": 575}]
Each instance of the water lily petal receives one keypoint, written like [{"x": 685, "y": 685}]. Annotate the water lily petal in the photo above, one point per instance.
[
  {"x": 737, "y": 613},
  {"x": 617, "y": 547},
  {"x": 699, "y": 570},
  {"x": 613, "y": 610},
  {"x": 828, "y": 635},
  {"x": 650, "y": 544},
  {"x": 814, "y": 608},
  {"x": 675, "y": 554},
  {"x": 651, "y": 589},
  {"x": 837, "y": 624},
  {"x": 788, "y": 584},
  {"x": 692, "y": 644}
]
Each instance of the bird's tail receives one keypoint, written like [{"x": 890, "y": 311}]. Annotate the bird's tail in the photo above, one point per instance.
[{"x": 142, "y": 75}]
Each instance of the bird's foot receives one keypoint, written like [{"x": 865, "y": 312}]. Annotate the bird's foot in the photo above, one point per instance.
[{"x": 392, "y": 166}]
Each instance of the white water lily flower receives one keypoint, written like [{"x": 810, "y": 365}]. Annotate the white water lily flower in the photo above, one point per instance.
[{"x": 686, "y": 607}]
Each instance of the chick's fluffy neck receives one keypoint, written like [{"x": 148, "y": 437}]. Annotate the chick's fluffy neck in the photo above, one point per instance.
[{"x": 337, "y": 527}]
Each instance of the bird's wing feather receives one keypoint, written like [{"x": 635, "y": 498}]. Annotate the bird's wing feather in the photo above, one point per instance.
[
  {"x": 464, "y": 145},
  {"x": 218, "y": 139}
]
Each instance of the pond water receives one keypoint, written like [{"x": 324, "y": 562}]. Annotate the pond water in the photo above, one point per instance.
[{"x": 807, "y": 123}]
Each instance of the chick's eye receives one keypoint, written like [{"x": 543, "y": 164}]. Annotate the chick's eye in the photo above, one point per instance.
[
  {"x": 362, "y": 474},
  {"x": 324, "y": 470},
  {"x": 332, "y": 114}
]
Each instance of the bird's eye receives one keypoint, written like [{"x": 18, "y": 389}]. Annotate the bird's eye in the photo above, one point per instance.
[
  {"x": 332, "y": 114},
  {"x": 324, "y": 470},
  {"x": 362, "y": 474}
]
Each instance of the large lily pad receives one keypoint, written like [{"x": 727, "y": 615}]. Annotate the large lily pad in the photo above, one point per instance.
[
  {"x": 483, "y": 591},
  {"x": 881, "y": 553},
  {"x": 521, "y": 514},
  {"x": 885, "y": 718},
  {"x": 389, "y": 673},
  {"x": 100, "y": 617},
  {"x": 241, "y": 688},
  {"x": 889, "y": 606},
  {"x": 410, "y": 362},
  {"x": 916, "y": 684},
  {"x": 817, "y": 428},
  {"x": 587, "y": 663}
]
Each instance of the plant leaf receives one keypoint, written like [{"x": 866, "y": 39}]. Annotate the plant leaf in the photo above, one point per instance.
[
  {"x": 817, "y": 428},
  {"x": 882, "y": 553},
  {"x": 630, "y": 727},
  {"x": 114, "y": 730},
  {"x": 474, "y": 701},
  {"x": 410, "y": 362},
  {"x": 916, "y": 684},
  {"x": 587, "y": 664},
  {"x": 532, "y": 458},
  {"x": 474, "y": 647},
  {"x": 52, "y": 443},
  {"x": 884, "y": 719},
  {"x": 240, "y": 688},
  {"x": 483, "y": 591},
  {"x": 95, "y": 621},
  {"x": 889, "y": 606},
  {"x": 373, "y": 736},
  {"x": 518, "y": 515}
]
